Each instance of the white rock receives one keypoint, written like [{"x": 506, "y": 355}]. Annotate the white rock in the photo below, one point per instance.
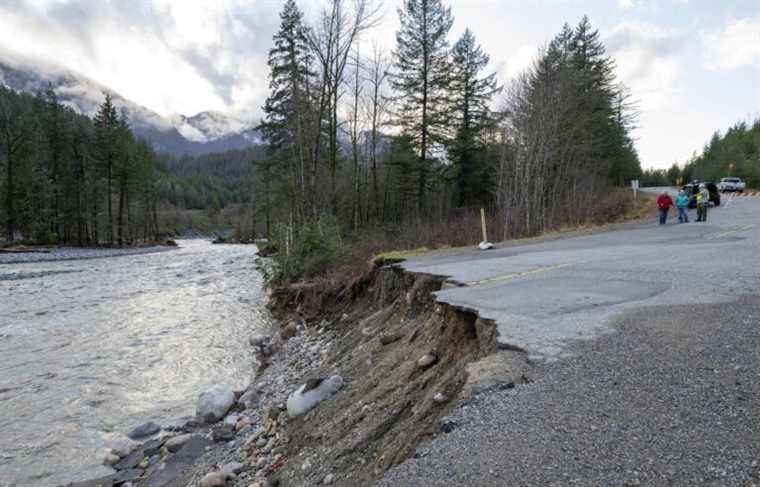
[
  {"x": 439, "y": 398},
  {"x": 232, "y": 468},
  {"x": 426, "y": 361},
  {"x": 329, "y": 479},
  {"x": 214, "y": 403},
  {"x": 485, "y": 245},
  {"x": 301, "y": 400},
  {"x": 215, "y": 479},
  {"x": 120, "y": 445},
  {"x": 110, "y": 458},
  {"x": 174, "y": 444}
]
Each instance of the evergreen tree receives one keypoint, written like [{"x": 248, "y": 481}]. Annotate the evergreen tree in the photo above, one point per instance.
[
  {"x": 421, "y": 79},
  {"x": 471, "y": 95},
  {"x": 287, "y": 111},
  {"x": 17, "y": 127},
  {"x": 107, "y": 140}
]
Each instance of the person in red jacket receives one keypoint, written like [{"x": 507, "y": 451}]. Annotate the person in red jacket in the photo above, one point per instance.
[{"x": 664, "y": 202}]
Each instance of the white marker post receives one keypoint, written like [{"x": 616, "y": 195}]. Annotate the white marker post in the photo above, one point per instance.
[{"x": 635, "y": 186}]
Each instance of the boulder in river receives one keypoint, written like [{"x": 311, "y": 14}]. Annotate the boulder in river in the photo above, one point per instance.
[
  {"x": 145, "y": 429},
  {"x": 120, "y": 445},
  {"x": 214, "y": 403},
  {"x": 312, "y": 393}
]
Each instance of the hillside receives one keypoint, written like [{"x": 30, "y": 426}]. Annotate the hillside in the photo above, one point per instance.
[{"x": 178, "y": 134}]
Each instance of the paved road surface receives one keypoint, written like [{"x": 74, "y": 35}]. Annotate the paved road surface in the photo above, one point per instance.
[{"x": 661, "y": 389}]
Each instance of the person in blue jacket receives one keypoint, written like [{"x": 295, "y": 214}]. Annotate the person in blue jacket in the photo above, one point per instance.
[{"x": 682, "y": 203}]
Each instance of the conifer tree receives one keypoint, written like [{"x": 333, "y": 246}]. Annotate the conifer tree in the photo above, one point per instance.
[
  {"x": 286, "y": 121},
  {"x": 421, "y": 80},
  {"x": 107, "y": 135},
  {"x": 471, "y": 93}
]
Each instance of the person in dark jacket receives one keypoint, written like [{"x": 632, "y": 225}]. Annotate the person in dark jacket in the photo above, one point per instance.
[
  {"x": 664, "y": 202},
  {"x": 703, "y": 202}
]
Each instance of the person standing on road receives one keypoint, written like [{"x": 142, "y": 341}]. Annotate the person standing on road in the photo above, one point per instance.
[
  {"x": 682, "y": 203},
  {"x": 664, "y": 202},
  {"x": 703, "y": 201}
]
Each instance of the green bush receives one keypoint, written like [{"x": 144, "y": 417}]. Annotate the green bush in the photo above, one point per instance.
[{"x": 307, "y": 250}]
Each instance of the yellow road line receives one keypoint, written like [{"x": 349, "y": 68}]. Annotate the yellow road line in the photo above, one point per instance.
[
  {"x": 730, "y": 232},
  {"x": 517, "y": 274}
]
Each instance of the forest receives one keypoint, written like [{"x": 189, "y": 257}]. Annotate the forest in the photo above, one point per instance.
[
  {"x": 735, "y": 153},
  {"x": 69, "y": 178},
  {"x": 400, "y": 148},
  {"x": 407, "y": 146}
]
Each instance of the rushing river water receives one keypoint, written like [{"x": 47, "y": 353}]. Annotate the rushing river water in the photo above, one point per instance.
[{"x": 93, "y": 346}]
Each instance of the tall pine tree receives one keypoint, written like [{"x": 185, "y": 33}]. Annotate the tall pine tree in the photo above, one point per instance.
[
  {"x": 421, "y": 79},
  {"x": 471, "y": 93},
  {"x": 107, "y": 134},
  {"x": 287, "y": 112}
]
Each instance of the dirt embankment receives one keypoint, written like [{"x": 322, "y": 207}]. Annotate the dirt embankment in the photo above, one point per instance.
[{"x": 406, "y": 361}]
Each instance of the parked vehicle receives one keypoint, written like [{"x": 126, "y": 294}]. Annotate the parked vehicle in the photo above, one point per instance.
[
  {"x": 692, "y": 189},
  {"x": 731, "y": 184}
]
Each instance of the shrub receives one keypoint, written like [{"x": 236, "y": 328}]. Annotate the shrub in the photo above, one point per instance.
[{"x": 307, "y": 250}]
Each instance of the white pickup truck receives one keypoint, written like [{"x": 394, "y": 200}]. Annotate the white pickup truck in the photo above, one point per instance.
[{"x": 731, "y": 184}]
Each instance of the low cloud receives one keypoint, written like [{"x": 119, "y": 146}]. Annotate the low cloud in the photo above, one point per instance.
[
  {"x": 647, "y": 58},
  {"x": 169, "y": 56},
  {"x": 735, "y": 46}
]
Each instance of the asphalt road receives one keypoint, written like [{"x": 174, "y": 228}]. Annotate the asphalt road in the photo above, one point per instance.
[{"x": 647, "y": 350}]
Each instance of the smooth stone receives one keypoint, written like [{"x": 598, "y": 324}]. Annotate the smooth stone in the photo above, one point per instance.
[
  {"x": 215, "y": 479},
  {"x": 329, "y": 479},
  {"x": 426, "y": 361},
  {"x": 121, "y": 446},
  {"x": 233, "y": 467},
  {"x": 214, "y": 403},
  {"x": 306, "y": 397},
  {"x": 174, "y": 444},
  {"x": 439, "y": 398},
  {"x": 145, "y": 429},
  {"x": 110, "y": 458}
]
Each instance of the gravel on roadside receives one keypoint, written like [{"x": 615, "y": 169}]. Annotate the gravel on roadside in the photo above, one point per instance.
[{"x": 671, "y": 398}]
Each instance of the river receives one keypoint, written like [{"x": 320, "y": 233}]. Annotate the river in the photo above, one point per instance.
[{"x": 89, "y": 347}]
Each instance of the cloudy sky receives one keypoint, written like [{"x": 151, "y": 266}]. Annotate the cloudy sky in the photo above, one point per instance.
[{"x": 693, "y": 65}]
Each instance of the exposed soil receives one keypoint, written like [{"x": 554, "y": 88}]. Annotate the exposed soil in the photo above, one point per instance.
[{"x": 384, "y": 323}]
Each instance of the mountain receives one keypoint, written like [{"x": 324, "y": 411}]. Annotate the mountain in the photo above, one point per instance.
[{"x": 203, "y": 133}]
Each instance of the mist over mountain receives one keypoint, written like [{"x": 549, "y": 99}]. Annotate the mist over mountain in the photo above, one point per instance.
[{"x": 203, "y": 133}]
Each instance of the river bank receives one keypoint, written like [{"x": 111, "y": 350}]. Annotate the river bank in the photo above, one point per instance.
[
  {"x": 54, "y": 253},
  {"x": 92, "y": 347},
  {"x": 392, "y": 361}
]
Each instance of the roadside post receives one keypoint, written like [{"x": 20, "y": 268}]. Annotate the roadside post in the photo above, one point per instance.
[
  {"x": 485, "y": 244},
  {"x": 635, "y": 186}
]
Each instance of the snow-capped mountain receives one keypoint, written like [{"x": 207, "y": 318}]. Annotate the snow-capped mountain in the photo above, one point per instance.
[{"x": 200, "y": 134}]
